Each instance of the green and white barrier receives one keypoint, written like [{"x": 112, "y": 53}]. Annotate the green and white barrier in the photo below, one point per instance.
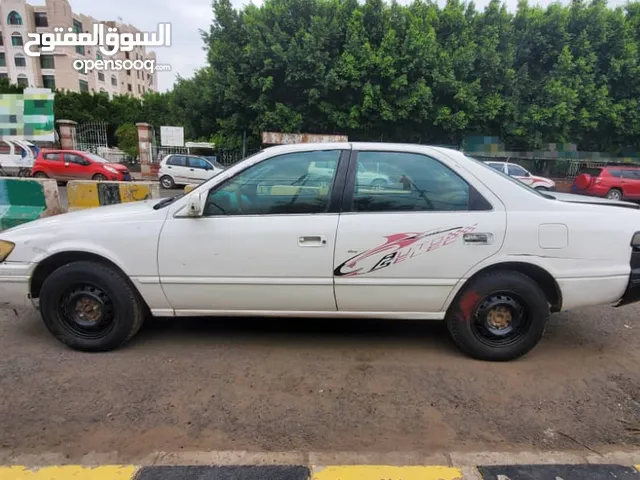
[{"x": 23, "y": 200}]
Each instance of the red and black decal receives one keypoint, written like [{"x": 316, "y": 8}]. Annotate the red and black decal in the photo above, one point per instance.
[{"x": 399, "y": 247}]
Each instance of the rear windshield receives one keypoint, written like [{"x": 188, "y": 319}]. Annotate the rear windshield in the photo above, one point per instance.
[{"x": 594, "y": 172}]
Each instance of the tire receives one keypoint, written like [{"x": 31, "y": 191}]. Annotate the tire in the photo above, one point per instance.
[
  {"x": 468, "y": 317},
  {"x": 542, "y": 189},
  {"x": 40, "y": 175},
  {"x": 167, "y": 182},
  {"x": 122, "y": 308},
  {"x": 614, "y": 194},
  {"x": 98, "y": 177}
]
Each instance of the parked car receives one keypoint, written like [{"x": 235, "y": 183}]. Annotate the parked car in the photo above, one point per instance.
[
  {"x": 16, "y": 157},
  {"x": 459, "y": 242},
  {"x": 179, "y": 169},
  {"x": 522, "y": 174},
  {"x": 364, "y": 176},
  {"x": 64, "y": 165},
  {"x": 612, "y": 182}
]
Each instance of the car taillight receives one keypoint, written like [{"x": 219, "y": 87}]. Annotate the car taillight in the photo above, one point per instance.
[{"x": 598, "y": 179}]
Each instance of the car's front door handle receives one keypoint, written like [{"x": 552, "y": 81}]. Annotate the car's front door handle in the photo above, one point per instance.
[
  {"x": 477, "y": 238},
  {"x": 312, "y": 241}
]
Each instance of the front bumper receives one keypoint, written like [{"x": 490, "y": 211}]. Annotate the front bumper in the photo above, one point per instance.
[
  {"x": 14, "y": 284},
  {"x": 632, "y": 293}
]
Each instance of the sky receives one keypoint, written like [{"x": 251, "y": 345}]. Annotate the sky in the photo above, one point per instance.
[{"x": 186, "y": 53}]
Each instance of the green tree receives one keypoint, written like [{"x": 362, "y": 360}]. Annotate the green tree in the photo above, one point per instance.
[{"x": 127, "y": 135}]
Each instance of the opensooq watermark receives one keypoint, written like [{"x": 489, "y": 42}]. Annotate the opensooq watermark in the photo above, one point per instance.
[{"x": 109, "y": 42}]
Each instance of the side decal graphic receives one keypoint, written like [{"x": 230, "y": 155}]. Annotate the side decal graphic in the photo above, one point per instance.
[{"x": 399, "y": 247}]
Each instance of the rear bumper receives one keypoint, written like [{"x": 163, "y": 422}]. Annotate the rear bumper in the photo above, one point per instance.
[{"x": 632, "y": 293}]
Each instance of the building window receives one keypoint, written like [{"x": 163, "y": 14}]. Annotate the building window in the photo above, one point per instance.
[
  {"x": 49, "y": 81},
  {"x": 23, "y": 81},
  {"x": 101, "y": 77},
  {"x": 4, "y": 75},
  {"x": 16, "y": 40},
  {"x": 20, "y": 61},
  {"x": 3, "y": 60},
  {"x": 41, "y": 19},
  {"x": 84, "y": 85},
  {"x": 1, "y": 40},
  {"x": 137, "y": 73},
  {"x": 98, "y": 56},
  {"x": 77, "y": 28},
  {"x": 139, "y": 89},
  {"x": 14, "y": 18},
  {"x": 129, "y": 87},
  {"x": 47, "y": 61},
  {"x": 114, "y": 81},
  {"x": 126, "y": 55},
  {"x": 129, "y": 72}
]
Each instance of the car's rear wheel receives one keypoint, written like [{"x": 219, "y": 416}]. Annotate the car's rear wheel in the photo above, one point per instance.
[
  {"x": 498, "y": 316},
  {"x": 542, "y": 189},
  {"x": 167, "y": 182},
  {"x": 91, "y": 307},
  {"x": 614, "y": 194},
  {"x": 40, "y": 175},
  {"x": 98, "y": 177}
]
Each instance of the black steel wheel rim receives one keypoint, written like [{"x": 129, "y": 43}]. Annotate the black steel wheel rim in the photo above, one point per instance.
[
  {"x": 86, "y": 311},
  {"x": 500, "y": 319}
]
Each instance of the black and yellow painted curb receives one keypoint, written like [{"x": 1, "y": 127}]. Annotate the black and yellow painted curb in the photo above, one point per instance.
[
  {"x": 89, "y": 194},
  {"x": 330, "y": 472}
]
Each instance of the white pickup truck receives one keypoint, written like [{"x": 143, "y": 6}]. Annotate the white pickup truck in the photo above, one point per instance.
[{"x": 16, "y": 157}]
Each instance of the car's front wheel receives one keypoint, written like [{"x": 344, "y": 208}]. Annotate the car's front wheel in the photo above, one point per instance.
[
  {"x": 498, "y": 316},
  {"x": 98, "y": 177},
  {"x": 542, "y": 189},
  {"x": 91, "y": 307},
  {"x": 40, "y": 175},
  {"x": 614, "y": 194},
  {"x": 167, "y": 182}
]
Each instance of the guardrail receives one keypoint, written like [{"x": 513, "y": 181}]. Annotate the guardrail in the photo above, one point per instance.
[{"x": 25, "y": 199}]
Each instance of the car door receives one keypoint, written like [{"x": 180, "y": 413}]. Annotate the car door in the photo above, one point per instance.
[
  {"x": 75, "y": 167},
  {"x": 199, "y": 169},
  {"x": 264, "y": 243},
  {"x": 403, "y": 247},
  {"x": 630, "y": 182},
  {"x": 178, "y": 169},
  {"x": 52, "y": 165}
]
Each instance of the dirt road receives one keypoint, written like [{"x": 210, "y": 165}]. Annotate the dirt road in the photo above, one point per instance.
[{"x": 319, "y": 385}]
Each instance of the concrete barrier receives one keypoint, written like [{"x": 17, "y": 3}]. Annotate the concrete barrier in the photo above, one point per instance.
[
  {"x": 89, "y": 194},
  {"x": 25, "y": 199}
]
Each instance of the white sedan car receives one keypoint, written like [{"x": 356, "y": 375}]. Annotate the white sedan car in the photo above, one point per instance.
[
  {"x": 450, "y": 239},
  {"x": 522, "y": 174},
  {"x": 181, "y": 169}
]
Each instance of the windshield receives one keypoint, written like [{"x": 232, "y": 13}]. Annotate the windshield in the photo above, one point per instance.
[
  {"x": 511, "y": 179},
  {"x": 96, "y": 158}
]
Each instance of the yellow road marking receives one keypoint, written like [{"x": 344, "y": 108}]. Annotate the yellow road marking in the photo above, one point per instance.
[
  {"x": 71, "y": 472},
  {"x": 381, "y": 472}
]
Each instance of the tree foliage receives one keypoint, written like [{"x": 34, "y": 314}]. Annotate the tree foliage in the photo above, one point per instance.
[
  {"x": 127, "y": 137},
  {"x": 415, "y": 73}
]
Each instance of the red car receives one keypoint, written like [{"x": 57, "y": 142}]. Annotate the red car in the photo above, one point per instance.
[
  {"x": 612, "y": 182},
  {"x": 75, "y": 165}
]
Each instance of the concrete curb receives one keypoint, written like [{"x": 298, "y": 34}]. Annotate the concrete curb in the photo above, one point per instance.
[
  {"x": 233, "y": 465},
  {"x": 90, "y": 194}
]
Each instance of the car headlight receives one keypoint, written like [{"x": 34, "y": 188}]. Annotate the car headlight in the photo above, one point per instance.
[
  {"x": 5, "y": 249},
  {"x": 110, "y": 169}
]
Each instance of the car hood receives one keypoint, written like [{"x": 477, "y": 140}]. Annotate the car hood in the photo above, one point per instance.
[
  {"x": 573, "y": 198},
  {"x": 117, "y": 166},
  {"x": 81, "y": 219}
]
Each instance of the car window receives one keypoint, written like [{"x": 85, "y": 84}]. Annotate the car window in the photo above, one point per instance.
[
  {"x": 511, "y": 179},
  {"x": 195, "y": 162},
  {"x": 629, "y": 174},
  {"x": 96, "y": 158},
  {"x": 73, "y": 158},
  {"x": 177, "y": 160},
  {"x": 51, "y": 156},
  {"x": 418, "y": 183},
  {"x": 285, "y": 184},
  {"x": 497, "y": 166},
  {"x": 516, "y": 171}
]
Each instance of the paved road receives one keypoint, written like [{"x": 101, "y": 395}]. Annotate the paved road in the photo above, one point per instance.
[
  {"x": 163, "y": 193},
  {"x": 319, "y": 385}
]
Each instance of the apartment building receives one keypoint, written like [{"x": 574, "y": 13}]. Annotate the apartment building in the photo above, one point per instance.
[{"x": 55, "y": 70}]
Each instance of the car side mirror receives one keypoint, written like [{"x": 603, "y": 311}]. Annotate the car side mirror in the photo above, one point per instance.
[{"x": 194, "y": 206}]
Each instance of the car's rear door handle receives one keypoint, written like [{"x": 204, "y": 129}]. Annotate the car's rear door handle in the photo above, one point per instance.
[
  {"x": 312, "y": 241},
  {"x": 478, "y": 238}
]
